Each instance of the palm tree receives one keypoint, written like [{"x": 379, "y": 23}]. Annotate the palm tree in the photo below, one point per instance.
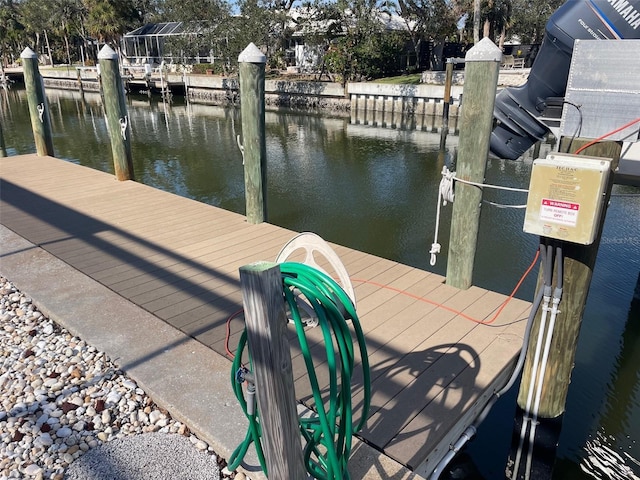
[{"x": 108, "y": 19}]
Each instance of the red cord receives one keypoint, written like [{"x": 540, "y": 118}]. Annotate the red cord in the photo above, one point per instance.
[
  {"x": 228, "y": 336},
  {"x": 594, "y": 141},
  {"x": 417, "y": 297},
  {"x": 439, "y": 305},
  {"x": 452, "y": 310}
]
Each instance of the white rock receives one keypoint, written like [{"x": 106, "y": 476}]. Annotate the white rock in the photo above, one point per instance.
[
  {"x": 42, "y": 419},
  {"x": 50, "y": 381},
  {"x": 163, "y": 422},
  {"x": 34, "y": 389},
  {"x": 79, "y": 426},
  {"x": 155, "y": 415},
  {"x": 63, "y": 432},
  {"x": 43, "y": 440},
  {"x": 32, "y": 470},
  {"x": 113, "y": 398},
  {"x": 57, "y": 386},
  {"x": 129, "y": 384},
  {"x": 105, "y": 417}
]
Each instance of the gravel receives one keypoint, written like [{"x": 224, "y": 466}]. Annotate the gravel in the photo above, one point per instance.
[
  {"x": 68, "y": 412},
  {"x": 117, "y": 460}
]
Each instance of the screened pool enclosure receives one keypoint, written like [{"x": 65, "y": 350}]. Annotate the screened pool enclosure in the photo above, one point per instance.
[{"x": 151, "y": 43}]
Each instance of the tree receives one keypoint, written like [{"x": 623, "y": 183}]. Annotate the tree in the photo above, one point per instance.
[
  {"x": 207, "y": 27},
  {"x": 364, "y": 47},
  {"x": 282, "y": 27},
  {"x": 427, "y": 20},
  {"x": 63, "y": 21},
  {"x": 107, "y": 20},
  {"x": 11, "y": 33},
  {"x": 530, "y": 28},
  {"x": 35, "y": 15},
  {"x": 496, "y": 15},
  {"x": 502, "y": 19},
  {"x": 256, "y": 23}
]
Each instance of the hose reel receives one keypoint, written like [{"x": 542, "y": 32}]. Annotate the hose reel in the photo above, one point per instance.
[{"x": 328, "y": 430}]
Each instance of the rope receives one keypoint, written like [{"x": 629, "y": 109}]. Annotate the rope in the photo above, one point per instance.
[
  {"x": 446, "y": 194},
  {"x": 328, "y": 432},
  {"x": 497, "y": 187}
]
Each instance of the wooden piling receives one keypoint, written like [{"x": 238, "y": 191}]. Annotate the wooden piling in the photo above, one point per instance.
[
  {"x": 79, "y": 77},
  {"x": 3, "y": 150},
  {"x": 251, "y": 66},
  {"x": 38, "y": 105},
  {"x": 482, "y": 64},
  {"x": 579, "y": 261},
  {"x": 116, "y": 112},
  {"x": 447, "y": 95},
  {"x": 269, "y": 349}
]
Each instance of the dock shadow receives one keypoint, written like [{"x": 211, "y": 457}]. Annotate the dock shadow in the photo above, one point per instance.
[
  {"x": 416, "y": 396},
  {"x": 48, "y": 225}
]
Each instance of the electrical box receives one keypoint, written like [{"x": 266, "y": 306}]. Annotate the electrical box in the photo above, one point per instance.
[{"x": 566, "y": 196}]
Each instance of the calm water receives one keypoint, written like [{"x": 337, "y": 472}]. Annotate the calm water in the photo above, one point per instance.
[{"x": 375, "y": 189}]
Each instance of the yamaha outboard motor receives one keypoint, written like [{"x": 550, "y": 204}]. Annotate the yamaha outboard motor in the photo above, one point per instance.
[{"x": 517, "y": 109}]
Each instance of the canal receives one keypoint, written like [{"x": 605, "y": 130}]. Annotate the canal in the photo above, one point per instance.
[{"x": 375, "y": 189}]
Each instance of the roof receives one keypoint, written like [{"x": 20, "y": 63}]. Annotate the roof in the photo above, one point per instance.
[{"x": 158, "y": 29}]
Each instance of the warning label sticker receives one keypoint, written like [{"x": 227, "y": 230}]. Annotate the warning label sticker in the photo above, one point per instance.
[{"x": 557, "y": 211}]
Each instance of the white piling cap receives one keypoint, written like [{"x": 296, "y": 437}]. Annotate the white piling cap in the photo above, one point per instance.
[
  {"x": 484, "y": 51},
  {"x": 28, "y": 53},
  {"x": 107, "y": 53},
  {"x": 252, "y": 54}
]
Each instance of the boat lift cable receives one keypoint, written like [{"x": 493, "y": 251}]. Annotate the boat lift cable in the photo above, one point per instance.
[{"x": 328, "y": 431}]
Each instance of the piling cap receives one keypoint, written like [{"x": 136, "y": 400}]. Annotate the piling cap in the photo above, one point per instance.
[
  {"x": 252, "y": 54},
  {"x": 484, "y": 51},
  {"x": 28, "y": 53},
  {"x": 107, "y": 53}
]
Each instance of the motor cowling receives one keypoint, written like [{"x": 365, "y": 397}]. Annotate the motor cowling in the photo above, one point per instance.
[{"x": 517, "y": 109}]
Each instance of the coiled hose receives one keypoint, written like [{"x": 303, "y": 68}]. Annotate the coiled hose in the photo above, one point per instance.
[{"x": 328, "y": 432}]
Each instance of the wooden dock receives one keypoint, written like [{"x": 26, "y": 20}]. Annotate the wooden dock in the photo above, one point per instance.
[{"x": 432, "y": 369}]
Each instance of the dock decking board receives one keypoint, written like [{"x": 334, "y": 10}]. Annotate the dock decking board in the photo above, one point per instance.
[{"x": 179, "y": 259}]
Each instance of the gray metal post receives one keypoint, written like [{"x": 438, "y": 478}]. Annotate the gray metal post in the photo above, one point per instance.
[
  {"x": 38, "y": 105},
  {"x": 476, "y": 120},
  {"x": 115, "y": 106},
  {"x": 251, "y": 68}
]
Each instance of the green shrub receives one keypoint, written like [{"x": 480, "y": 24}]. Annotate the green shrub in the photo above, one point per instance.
[{"x": 203, "y": 68}]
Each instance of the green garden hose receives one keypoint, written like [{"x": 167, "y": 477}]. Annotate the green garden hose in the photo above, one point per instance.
[{"x": 328, "y": 431}]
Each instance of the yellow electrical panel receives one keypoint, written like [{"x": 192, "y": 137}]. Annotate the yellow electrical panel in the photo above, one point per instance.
[{"x": 566, "y": 195}]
